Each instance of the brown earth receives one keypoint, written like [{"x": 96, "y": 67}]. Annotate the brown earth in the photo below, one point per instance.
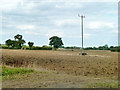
[{"x": 97, "y": 64}]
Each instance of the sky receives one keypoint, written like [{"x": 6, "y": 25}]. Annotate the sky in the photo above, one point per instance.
[{"x": 38, "y": 20}]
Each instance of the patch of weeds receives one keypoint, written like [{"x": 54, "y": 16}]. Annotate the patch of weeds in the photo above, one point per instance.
[
  {"x": 84, "y": 54},
  {"x": 8, "y": 73},
  {"x": 0, "y": 79},
  {"x": 105, "y": 85}
]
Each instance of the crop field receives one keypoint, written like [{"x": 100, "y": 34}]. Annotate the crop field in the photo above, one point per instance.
[{"x": 62, "y": 68}]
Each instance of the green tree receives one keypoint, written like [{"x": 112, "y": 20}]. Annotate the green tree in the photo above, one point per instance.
[
  {"x": 21, "y": 42},
  {"x": 14, "y": 43},
  {"x": 106, "y": 46},
  {"x": 56, "y": 42},
  {"x": 8, "y": 42},
  {"x": 18, "y": 42},
  {"x": 30, "y": 44},
  {"x": 18, "y": 37},
  {"x": 100, "y": 47},
  {"x": 111, "y": 46}
]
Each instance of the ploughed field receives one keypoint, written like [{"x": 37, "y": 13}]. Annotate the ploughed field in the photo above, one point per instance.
[{"x": 97, "y": 64}]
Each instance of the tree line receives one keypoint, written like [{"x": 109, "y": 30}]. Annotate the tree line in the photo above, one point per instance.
[
  {"x": 18, "y": 43},
  {"x": 55, "y": 42},
  {"x": 105, "y": 47}
]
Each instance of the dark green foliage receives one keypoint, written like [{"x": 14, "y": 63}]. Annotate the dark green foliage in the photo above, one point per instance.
[
  {"x": 56, "y": 42},
  {"x": 89, "y": 48},
  {"x": 11, "y": 43},
  {"x": 111, "y": 48},
  {"x": 21, "y": 43},
  {"x": 17, "y": 43},
  {"x": 18, "y": 37},
  {"x": 72, "y": 47},
  {"x": 115, "y": 49},
  {"x": 41, "y": 48},
  {"x": 28, "y": 48},
  {"x": 84, "y": 53},
  {"x": 19, "y": 40},
  {"x": 105, "y": 47},
  {"x": 8, "y": 42},
  {"x": 30, "y": 44},
  {"x": 0, "y": 46}
]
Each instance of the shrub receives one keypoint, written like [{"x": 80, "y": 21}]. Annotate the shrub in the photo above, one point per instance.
[
  {"x": 45, "y": 47},
  {"x": 115, "y": 49},
  {"x": 84, "y": 53},
  {"x": 41, "y": 48}
]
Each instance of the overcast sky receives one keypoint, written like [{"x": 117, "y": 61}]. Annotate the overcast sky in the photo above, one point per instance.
[{"x": 38, "y": 20}]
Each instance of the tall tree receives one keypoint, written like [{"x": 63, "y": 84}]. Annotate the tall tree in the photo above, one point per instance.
[
  {"x": 18, "y": 36},
  {"x": 56, "y": 42},
  {"x": 21, "y": 42},
  {"x": 18, "y": 42},
  {"x": 30, "y": 44},
  {"x": 8, "y": 42},
  {"x": 14, "y": 43}
]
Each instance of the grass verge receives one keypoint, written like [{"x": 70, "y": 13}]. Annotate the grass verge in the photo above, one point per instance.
[{"x": 10, "y": 73}]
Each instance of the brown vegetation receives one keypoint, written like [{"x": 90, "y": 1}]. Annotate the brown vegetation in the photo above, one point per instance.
[{"x": 96, "y": 63}]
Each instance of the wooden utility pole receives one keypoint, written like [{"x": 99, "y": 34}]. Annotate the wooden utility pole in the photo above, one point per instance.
[{"x": 82, "y": 31}]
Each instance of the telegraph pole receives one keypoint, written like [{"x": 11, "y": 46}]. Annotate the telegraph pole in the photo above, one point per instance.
[{"x": 82, "y": 30}]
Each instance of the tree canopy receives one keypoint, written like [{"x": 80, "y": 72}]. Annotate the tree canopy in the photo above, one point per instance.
[
  {"x": 18, "y": 37},
  {"x": 56, "y": 42},
  {"x": 30, "y": 44},
  {"x": 18, "y": 42},
  {"x": 8, "y": 42}
]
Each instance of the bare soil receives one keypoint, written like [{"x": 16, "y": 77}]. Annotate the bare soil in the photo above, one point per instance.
[{"x": 61, "y": 69}]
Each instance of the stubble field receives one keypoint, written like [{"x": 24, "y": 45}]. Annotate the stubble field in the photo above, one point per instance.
[{"x": 65, "y": 68}]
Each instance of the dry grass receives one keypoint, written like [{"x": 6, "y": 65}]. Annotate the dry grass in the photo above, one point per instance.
[{"x": 96, "y": 63}]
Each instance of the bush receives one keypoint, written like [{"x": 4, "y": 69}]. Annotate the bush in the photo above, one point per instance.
[
  {"x": 4, "y": 46},
  {"x": 115, "y": 49},
  {"x": 45, "y": 47},
  {"x": 40, "y": 48},
  {"x": 84, "y": 53}
]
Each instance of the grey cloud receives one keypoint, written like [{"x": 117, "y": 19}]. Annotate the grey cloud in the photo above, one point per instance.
[{"x": 45, "y": 15}]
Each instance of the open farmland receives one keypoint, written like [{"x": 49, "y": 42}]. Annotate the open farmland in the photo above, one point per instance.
[{"x": 63, "y": 67}]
